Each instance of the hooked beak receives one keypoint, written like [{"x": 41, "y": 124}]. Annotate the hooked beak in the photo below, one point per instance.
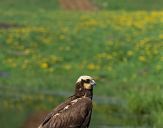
[{"x": 93, "y": 83}]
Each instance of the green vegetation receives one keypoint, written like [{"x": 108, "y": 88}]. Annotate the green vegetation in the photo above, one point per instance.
[
  {"x": 29, "y": 5},
  {"x": 129, "y": 4},
  {"x": 44, "y": 52}
]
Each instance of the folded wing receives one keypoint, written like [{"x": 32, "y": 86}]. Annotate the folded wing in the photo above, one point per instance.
[{"x": 72, "y": 114}]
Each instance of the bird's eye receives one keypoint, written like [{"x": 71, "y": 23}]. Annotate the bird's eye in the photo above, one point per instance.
[{"x": 87, "y": 80}]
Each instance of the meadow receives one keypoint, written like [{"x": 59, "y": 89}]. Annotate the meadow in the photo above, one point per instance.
[
  {"x": 129, "y": 5},
  {"x": 43, "y": 52}
]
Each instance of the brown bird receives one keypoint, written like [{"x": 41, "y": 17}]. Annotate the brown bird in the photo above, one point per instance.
[{"x": 76, "y": 111}]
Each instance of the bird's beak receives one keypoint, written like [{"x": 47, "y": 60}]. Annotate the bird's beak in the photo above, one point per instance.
[{"x": 93, "y": 83}]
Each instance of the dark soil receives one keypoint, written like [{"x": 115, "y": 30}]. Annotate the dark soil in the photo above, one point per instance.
[
  {"x": 79, "y": 5},
  {"x": 8, "y": 25},
  {"x": 34, "y": 120}
]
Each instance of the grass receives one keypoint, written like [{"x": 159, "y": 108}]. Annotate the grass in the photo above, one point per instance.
[
  {"x": 130, "y": 5},
  {"x": 30, "y": 5},
  {"x": 15, "y": 122},
  {"x": 44, "y": 52}
]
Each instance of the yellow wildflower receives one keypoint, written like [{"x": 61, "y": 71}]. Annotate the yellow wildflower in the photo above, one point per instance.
[
  {"x": 27, "y": 51},
  {"x": 161, "y": 36},
  {"x": 93, "y": 67},
  {"x": 44, "y": 65},
  {"x": 65, "y": 30},
  {"x": 142, "y": 58},
  {"x": 67, "y": 66},
  {"x": 91, "y": 22},
  {"x": 161, "y": 58},
  {"x": 158, "y": 67},
  {"x": 130, "y": 53},
  {"x": 62, "y": 37}
]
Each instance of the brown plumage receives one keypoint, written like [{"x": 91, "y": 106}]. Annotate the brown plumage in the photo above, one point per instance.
[{"x": 76, "y": 111}]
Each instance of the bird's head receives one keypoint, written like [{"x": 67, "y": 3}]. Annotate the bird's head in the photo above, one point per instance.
[{"x": 84, "y": 84}]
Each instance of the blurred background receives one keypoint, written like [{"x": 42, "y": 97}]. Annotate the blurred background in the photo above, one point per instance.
[{"x": 46, "y": 45}]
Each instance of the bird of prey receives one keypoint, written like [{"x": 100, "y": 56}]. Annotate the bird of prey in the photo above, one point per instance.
[{"x": 76, "y": 111}]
